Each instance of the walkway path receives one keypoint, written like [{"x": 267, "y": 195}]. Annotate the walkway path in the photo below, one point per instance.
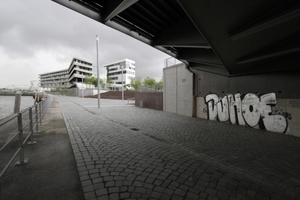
[{"x": 126, "y": 152}]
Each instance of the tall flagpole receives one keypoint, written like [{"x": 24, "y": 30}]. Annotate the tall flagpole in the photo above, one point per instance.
[{"x": 98, "y": 81}]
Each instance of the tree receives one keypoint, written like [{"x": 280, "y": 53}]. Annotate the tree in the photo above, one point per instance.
[
  {"x": 92, "y": 80},
  {"x": 135, "y": 83},
  {"x": 160, "y": 84},
  {"x": 149, "y": 82}
]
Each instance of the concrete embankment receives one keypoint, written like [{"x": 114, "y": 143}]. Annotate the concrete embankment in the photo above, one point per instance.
[{"x": 13, "y": 93}]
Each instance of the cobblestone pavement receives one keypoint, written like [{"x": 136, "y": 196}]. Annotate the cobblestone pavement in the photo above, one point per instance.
[{"x": 126, "y": 152}]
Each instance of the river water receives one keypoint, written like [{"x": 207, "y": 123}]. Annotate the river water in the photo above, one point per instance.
[{"x": 7, "y": 104}]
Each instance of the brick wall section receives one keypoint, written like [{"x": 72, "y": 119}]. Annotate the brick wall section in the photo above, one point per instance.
[{"x": 153, "y": 100}]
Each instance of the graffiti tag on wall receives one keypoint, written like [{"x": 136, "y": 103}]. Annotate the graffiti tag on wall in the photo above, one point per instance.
[{"x": 250, "y": 110}]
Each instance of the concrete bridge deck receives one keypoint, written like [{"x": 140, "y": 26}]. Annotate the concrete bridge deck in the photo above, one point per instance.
[{"x": 126, "y": 152}]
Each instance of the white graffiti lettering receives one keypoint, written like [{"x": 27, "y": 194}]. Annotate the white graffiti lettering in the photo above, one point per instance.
[{"x": 250, "y": 110}]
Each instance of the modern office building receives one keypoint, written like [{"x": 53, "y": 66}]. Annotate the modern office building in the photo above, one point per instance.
[
  {"x": 120, "y": 71},
  {"x": 76, "y": 72}
]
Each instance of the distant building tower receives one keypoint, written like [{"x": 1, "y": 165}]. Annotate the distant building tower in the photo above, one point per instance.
[
  {"x": 114, "y": 72},
  {"x": 76, "y": 72}
]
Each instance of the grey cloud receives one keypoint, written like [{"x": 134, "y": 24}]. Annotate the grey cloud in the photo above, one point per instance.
[{"x": 42, "y": 25}]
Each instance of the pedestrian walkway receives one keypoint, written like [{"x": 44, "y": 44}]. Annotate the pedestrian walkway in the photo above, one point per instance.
[{"x": 127, "y": 152}]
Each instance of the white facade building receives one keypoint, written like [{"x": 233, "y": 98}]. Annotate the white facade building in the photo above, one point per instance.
[
  {"x": 69, "y": 77},
  {"x": 120, "y": 71}
]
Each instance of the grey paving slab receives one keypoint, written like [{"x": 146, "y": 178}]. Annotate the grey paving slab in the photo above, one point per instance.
[{"x": 126, "y": 152}]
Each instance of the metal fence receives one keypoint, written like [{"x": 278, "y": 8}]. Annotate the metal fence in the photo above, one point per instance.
[
  {"x": 149, "y": 89},
  {"x": 20, "y": 125},
  {"x": 171, "y": 61}
]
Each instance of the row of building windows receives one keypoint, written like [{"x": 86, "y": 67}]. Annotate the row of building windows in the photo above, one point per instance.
[
  {"x": 117, "y": 73},
  {"x": 120, "y": 82},
  {"x": 53, "y": 84},
  {"x": 83, "y": 62},
  {"x": 115, "y": 68}
]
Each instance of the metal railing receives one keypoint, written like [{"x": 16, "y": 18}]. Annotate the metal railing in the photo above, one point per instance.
[
  {"x": 22, "y": 124},
  {"x": 171, "y": 61},
  {"x": 149, "y": 89}
]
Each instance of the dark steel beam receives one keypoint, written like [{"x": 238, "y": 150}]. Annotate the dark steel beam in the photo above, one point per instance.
[
  {"x": 148, "y": 22},
  {"x": 116, "y": 7},
  {"x": 82, "y": 9},
  {"x": 261, "y": 25},
  {"x": 158, "y": 12},
  {"x": 267, "y": 56},
  {"x": 151, "y": 15},
  {"x": 207, "y": 68}
]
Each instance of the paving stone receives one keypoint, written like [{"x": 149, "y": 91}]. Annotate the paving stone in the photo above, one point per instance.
[
  {"x": 191, "y": 196},
  {"x": 156, "y": 195},
  {"x": 89, "y": 195},
  {"x": 140, "y": 190},
  {"x": 96, "y": 180},
  {"x": 176, "y": 197},
  {"x": 135, "y": 195},
  {"x": 114, "y": 196},
  {"x": 138, "y": 183},
  {"x": 110, "y": 184},
  {"x": 158, "y": 182},
  {"x": 113, "y": 190},
  {"x": 124, "y": 195},
  {"x": 88, "y": 188},
  {"x": 86, "y": 183},
  {"x": 211, "y": 191},
  {"x": 98, "y": 186}
]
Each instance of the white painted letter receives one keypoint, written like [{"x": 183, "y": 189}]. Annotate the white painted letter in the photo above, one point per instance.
[
  {"x": 211, "y": 100},
  {"x": 250, "y": 110},
  {"x": 235, "y": 109},
  {"x": 222, "y": 106},
  {"x": 274, "y": 123}
]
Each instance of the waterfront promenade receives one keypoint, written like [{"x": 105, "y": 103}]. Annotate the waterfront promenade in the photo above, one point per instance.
[{"x": 126, "y": 152}]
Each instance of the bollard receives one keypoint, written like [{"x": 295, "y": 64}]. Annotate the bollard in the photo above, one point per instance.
[{"x": 17, "y": 101}]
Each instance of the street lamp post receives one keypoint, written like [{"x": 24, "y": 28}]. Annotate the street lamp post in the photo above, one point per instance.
[
  {"x": 98, "y": 81},
  {"x": 122, "y": 84}
]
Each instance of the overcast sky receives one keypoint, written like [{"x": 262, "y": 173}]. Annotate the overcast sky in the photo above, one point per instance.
[{"x": 40, "y": 36}]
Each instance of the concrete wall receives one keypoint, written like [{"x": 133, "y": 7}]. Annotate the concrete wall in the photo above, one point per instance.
[
  {"x": 153, "y": 100},
  {"x": 76, "y": 92},
  {"x": 178, "y": 90},
  {"x": 266, "y": 101}
]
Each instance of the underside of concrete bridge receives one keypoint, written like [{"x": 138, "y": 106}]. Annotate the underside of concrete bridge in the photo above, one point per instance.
[{"x": 229, "y": 38}]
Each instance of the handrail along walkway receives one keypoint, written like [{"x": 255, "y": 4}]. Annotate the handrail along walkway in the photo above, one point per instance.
[{"x": 32, "y": 123}]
